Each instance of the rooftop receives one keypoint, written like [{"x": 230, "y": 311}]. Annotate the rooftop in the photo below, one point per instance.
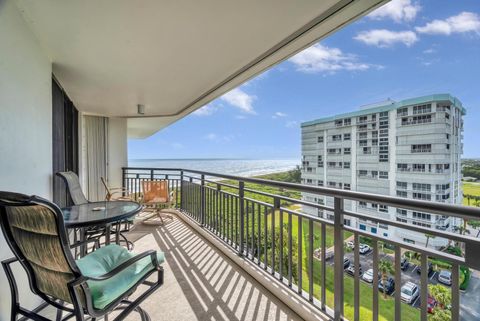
[{"x": 390, "y": 105}]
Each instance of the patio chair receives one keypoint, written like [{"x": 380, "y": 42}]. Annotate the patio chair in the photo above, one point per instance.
[
  {"x": 92, "y": 286},
  {"x": 155, "y": 198}
]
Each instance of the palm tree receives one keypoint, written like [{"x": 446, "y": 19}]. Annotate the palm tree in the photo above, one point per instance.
[
  {"x": 441, "y": 294},
  {"x": 428, "y": 236},
  {"x": 385, "y": 267}
]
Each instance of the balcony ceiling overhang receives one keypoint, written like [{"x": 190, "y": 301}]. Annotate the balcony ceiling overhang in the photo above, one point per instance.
[{"x": 173, "y": 56}]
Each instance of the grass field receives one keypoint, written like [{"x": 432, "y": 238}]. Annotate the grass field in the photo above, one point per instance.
[{"x": 470, "y": 189}]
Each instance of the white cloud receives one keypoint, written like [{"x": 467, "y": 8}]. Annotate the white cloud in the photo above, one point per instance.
[
  {"x": 461, "y": 23},
  {"x": 385, "y": 38},
  {"x": 177, "y": 146},
  {"x": 398, "y": 10},
  {"x": 319, "y": 58},
  {"x": 240, "y": 117},
  {"x": 279, "y": 114},
  {"x": 240, "y": 99},
  {"x": 291, "y": 124},
  {"x": 429, "y": 51},
  {"x": 210, "y": 136},
  {"x": 206, "y": 110},
  {"x": 215, "y": 138}
]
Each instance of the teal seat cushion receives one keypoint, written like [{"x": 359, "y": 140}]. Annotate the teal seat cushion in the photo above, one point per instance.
[{"x": 104, "y": 260}]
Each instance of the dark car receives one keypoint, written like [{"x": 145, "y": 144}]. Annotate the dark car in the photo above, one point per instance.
[
  {"x": 404, "y": 264},
  {"x": 346, "y": 263},
  {"x": 429, "y": 269},
  {"x": 389, "y": 285}
]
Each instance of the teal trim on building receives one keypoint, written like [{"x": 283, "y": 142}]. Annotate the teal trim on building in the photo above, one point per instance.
[{"x": 391, "y": 106}]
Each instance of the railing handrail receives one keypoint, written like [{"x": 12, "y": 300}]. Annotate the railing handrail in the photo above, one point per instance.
[{"x": 464, "y": 212}]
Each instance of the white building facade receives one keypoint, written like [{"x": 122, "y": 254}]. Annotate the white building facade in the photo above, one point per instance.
[{"x": 411, "y": 148}]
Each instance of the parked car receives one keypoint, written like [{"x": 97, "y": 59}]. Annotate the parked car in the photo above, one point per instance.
[
  {"x": 389, "y": 285},
  {"x": 329, "y": 254},
  {"x": 364, "y": 249},
  {"x": 409, "y": 292},
  {"x": 404, "y": 264},
  {"x": 350, "y": 245},
  {"x": 351, "y": 269},
  {"x": 346, "y": 263},
  {"x": 445, "y": 277},
  {"x": 431, "y": 304},
  {"x": 368, "y": 276},
  {"x": 429, "y": 269}
]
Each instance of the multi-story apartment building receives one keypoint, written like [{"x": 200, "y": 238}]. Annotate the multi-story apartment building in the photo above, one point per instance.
[{"x": 411, "y": 148}]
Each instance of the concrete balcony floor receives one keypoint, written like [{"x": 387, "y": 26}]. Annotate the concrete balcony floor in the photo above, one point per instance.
[{"x": 201, "y": 283}]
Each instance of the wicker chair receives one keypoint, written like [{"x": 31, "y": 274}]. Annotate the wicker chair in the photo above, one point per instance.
[
  {"x": 94, "y": 285},
  {"x": 156, "y": 197}
]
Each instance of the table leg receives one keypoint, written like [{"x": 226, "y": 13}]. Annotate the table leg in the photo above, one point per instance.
[
  {"x": 83, "y": 246},
  {"x": 108, "y": 228}
]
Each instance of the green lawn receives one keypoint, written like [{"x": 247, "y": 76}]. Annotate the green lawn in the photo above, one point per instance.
[{"x": 470, "y": 188}]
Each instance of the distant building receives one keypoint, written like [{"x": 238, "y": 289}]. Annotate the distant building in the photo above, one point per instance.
[
  {"x": 411, "y": 148},
  {"x": 469, "y": 179}
]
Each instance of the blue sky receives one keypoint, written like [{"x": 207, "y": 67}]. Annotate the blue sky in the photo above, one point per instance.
[{"x": 404, "y": 49}]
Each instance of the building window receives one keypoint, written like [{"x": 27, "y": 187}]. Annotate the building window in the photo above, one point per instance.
[
  {"x": 422, "y": 196},
  {"x": 362, "y": 119},
  {"x": 332, "y": 184},
  {"x": 347, "y": 122},
  {"x": 402, "y": 167},
  {"x": 418, "y": 167},
  {"x": 346, "y": 150},
  {"x": 402, "y": 194},
  {"x": 336, "y": 138},
  {"x": 362, "y": 143},
  {"x": 320, "y": 139},
  {"x": 309, "y": 181},
  {"x": 374, "y": 174},
  {"x": 401, "y": 212},
  {"x": 338, "y": 123},
  {"x": 331, "y": 164},
  {"x": 421, "y": 216},
  {"x": 373, "y": 230},
  {"x": 383, "y": 175},
  {"x": 362, "y": 172},
  {"x": 346, "y": 136},
  {"x": 422, "y": 109},
  {"x": 346, "y": 186},
  {"x": 421, "y": 187},
  {"x": 408, "y": 241},
  {"x": 384, "y": 114},
  {"x": 362, "y": 135},
  {"x": 422, "y": 148},
  {"x": 367, "y": 150},
  {"x": 402, "y": 185},
  {"x": 383, "y": 208},
  {"x": 346, "y": 165},
  {"x": 320, "y": 183},
  {"x": 402, "y": 111},
  {"x": 374, "y": 142}
]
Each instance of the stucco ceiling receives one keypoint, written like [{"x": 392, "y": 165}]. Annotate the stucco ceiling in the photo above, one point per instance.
[{"x": 173, "y": 56}]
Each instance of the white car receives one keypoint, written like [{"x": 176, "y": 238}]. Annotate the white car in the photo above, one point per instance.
[
  {"x": 368, "y": 276},
  {"x": 364, "y": 249},
  {"x": 350, "y": 245},
  {"x": 409, "y": 292}
]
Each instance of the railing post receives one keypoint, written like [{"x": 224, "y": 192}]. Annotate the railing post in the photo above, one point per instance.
[
  {"x": 338, "y": 258},
  {"x": 151, "y": 174},
  {"x": 202, "y": 201},
  {"x": 181, "y": 190},
  {"x": 124, "y": 185},
  {"x": 241, "y": 194}
]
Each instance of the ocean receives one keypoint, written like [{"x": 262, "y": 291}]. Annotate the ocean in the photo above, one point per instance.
[{"x": 237, "y": 167}]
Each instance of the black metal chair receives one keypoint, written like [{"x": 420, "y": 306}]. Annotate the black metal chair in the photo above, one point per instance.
[
  {"x": 94, "y": 285},
  {"x": 78, "y": 198}
]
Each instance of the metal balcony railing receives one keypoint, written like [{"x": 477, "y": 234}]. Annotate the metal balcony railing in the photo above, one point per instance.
[{"x": 263, "y": 228}]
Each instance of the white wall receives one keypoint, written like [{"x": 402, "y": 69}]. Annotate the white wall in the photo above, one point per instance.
[
  {"x": 117, "y": 150},
  {"x": 25, "y": 125}
]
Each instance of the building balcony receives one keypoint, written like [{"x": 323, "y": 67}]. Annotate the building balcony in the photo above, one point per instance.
[{"x": 270, "y": 237}]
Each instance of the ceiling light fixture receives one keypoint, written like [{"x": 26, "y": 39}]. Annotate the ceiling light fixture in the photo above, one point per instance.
[{"x": 141, "y": 109}]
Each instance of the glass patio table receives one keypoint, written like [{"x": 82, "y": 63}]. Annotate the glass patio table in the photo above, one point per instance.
[{"x": 98, "y": 214}]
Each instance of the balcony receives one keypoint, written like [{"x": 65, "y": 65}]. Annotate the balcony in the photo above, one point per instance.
[{"x": 242, "y": 221}]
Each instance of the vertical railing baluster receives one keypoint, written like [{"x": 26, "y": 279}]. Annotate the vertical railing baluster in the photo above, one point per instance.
[
  {"x": 338, "y": 258},
  {"x": 265, "y": 238},
  {"x": 356, "y": 280},
  {"x": 300, "y": 256},
  {"x": 259, "y": 233},
  {"x": 424, "y": 287},
  {"x": 323, "y": 262},
  {"x": 202, "y": 201},
  {"x": 237, "y": 200},
  {"x": 247, "y": 226},
  {"x": 276, "y": 207},
  {"x": 398, "y": 284},
  {"x": 241, "y": 186},
  {"x": 455, "y": 310},
  {"x": 310, "y": 260},
  {"x": 280, "y": 243},
  {"x": 232, "y": 241},
  {"x": 182, "y": 205},
  {"x": 375, "y": 279},
  {"x": 290, "y": 243}
]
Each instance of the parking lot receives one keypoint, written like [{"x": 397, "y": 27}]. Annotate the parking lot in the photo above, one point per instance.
[{"x": 409, "y": 275}]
